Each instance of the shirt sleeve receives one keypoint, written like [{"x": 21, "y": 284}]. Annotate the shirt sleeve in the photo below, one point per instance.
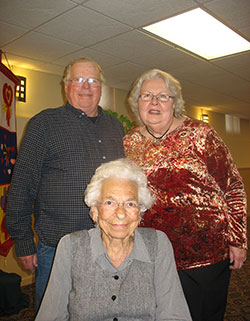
[
  {"x": 170, "y": 301},
  {"x": 54, "y": 306},
  {"x": 24, "y": 186},
  {"x": 221, "y": 166}
]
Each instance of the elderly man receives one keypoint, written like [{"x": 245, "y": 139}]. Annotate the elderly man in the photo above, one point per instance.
[{"x": 60, "y": 151}]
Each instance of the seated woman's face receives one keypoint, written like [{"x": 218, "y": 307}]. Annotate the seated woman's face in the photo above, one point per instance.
[{"x": 117, "y": 209}]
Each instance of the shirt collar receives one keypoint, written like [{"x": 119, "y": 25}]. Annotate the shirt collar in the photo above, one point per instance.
[
  {"x": 139, "y": 252},
  {"x": 79, "y": 112}
]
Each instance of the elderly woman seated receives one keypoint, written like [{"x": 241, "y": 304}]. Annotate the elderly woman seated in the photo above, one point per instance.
[{"x": 115, "y": 271}]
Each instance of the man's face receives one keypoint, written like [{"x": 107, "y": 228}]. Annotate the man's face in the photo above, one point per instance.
[{"x": 84, "y": 96}]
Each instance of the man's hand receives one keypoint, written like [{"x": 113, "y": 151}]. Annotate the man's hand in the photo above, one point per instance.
[
  {"x": 28, "y": 263},
  {"x": 237, "y": 257}
]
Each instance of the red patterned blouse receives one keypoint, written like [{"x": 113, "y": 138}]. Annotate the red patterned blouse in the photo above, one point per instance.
[{"x": 200, "y": 197}]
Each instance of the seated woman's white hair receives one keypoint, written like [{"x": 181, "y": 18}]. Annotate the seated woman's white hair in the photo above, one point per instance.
[{"x": 119, "y": 169}]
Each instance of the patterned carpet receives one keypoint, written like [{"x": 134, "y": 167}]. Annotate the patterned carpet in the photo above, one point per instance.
[{"x": 238, "y": 304}]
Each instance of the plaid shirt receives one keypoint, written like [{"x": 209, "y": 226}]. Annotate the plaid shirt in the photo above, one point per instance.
[{"x": 60, "y": 151}]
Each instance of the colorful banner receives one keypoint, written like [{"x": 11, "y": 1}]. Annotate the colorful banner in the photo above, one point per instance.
[{"x": 8, "y": 147}]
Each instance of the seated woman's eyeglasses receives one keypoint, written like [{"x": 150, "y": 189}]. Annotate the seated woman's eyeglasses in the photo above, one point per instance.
[
  {"x": 111, "y": 205},
  {"x": 160, "y": 97},
  {"x": 79, "y": 81}
]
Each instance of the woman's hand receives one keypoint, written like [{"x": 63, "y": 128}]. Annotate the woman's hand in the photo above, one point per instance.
[{"x": 237, "y": 257}]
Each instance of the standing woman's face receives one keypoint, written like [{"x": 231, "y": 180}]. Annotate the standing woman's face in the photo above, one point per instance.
[{"x": 155, "y": 112}]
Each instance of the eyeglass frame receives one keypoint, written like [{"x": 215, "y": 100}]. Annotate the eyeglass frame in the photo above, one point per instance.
[
  {"x": 75, "y": 82},
  {"x": 151, "y": 97},
  {"x": 117, "y": 204}
]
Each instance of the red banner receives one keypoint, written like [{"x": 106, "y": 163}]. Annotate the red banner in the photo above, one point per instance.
[{"x": 8, "y": 147}]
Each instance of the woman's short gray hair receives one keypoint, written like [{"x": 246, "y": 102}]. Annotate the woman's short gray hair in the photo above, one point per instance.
[
  {"x": 122, "y": 168},
  {"x": 66, "y": 75},
  {"x": 172, "y": 85}
]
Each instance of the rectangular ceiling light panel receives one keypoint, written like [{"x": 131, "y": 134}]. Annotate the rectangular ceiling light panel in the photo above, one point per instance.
[{"x": 200, "y": 33}]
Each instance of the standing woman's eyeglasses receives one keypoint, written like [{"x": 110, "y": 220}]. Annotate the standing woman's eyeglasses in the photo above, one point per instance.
[{"x": 160, "y": 97}]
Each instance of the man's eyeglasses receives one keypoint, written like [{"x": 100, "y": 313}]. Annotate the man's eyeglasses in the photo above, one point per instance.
[
  {"x": 78, "y": 82},
  {"x": 111, "y": 205},
  {"x": 160, "y": 97}
]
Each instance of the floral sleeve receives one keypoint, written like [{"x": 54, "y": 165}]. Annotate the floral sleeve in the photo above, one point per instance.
[{"x": 222, "y": 167}]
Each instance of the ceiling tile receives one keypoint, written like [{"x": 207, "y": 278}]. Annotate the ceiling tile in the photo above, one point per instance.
[
  {"x": 103, "y": 59},
  {"x": 200, "y": 72},
  {"x": 139, "y": 13},
  {"x": 225, "y": 84},
  {"x": 131, "y": 45},
  {"x": 238, "y": 65},
  {"x": 9, "y": 33},
  {"x": 245, "y": 32},
  {"x": 167, "y": 59},
  {"x": 124, "y": 72},
  {"x": 83, "y": 27},
  {"x": 198, "y": 96},
  {"x": 31, "y": 13},
  {"x": 234, "y": 13},
  {"x": 37, "y": 46}
]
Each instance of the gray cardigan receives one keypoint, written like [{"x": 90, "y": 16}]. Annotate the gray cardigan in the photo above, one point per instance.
[{"x": 84, "y": 285}]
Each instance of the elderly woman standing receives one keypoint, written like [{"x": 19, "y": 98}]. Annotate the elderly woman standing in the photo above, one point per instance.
[
  {"x": 200, "y": 199},
  {"x": 115, "y": 271}
]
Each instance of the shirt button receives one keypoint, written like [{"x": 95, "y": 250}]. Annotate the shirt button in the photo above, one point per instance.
[
  {"x": 116, "y": 277},
  {"x": 113, "y": 297},
  {"x": 103, "y": 157},
  {"x": 115, "y": 319},
  {"x": 99, "y": 141}
]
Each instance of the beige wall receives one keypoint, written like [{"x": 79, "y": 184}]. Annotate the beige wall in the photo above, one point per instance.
[
  {"x": 44, "y": 91},
  {"x": 121, "y": 104},
  {"x": 237, "y": 144}
]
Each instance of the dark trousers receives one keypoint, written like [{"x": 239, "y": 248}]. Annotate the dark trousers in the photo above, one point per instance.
[{"x": 206, "y": 290}]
